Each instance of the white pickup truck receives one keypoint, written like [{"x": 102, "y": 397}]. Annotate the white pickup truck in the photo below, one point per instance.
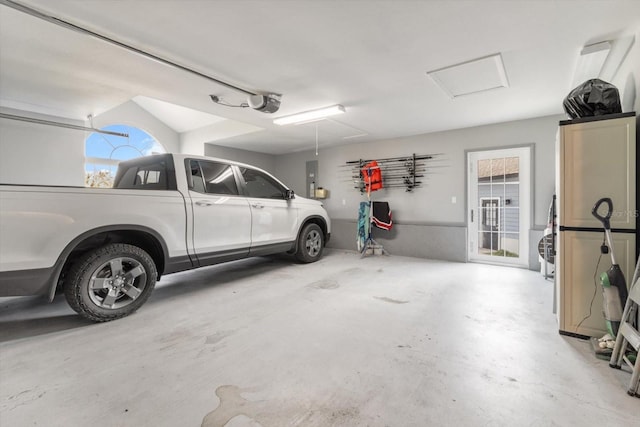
[{"x": 166, "y": 213}]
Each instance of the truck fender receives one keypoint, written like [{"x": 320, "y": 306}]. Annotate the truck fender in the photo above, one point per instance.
[
  {"x": 317, "y": 219},
  {"x": 64, "y": 256}
]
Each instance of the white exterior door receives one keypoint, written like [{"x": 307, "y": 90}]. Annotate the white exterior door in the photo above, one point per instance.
[{"x": 499, "y": 201}]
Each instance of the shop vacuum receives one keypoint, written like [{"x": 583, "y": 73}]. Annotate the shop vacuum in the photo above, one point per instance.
[{"x": 614, "y": 285}]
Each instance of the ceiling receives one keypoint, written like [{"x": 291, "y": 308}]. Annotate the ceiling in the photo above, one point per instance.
[{"x": 370, "y": 56}]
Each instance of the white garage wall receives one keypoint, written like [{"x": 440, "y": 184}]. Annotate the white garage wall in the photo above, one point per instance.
[
  {"x": 428, "y": 223},
  {"x": 432, "y": 203},
  {"x": 55, "y": 156},
  {"x": 132, "y": 114},
  {"x": 261, "y": 160},
  {"x": 195, "y": 141},
  {"x": 40, "y": 155},
  {"x": 627, "y": 77}
]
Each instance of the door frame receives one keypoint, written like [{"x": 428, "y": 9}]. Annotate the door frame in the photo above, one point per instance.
[{"x": 523, "y": 261}]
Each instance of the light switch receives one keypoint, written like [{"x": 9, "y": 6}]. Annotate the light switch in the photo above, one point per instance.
[{"x": 454, "y": 200}]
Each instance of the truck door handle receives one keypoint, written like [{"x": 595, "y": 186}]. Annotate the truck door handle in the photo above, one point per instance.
[
  {"x": 258, "y": 205},
  {"x": 203, "y": 203}
]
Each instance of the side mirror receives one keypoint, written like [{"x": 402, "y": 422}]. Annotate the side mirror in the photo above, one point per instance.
[{"x": 289, "y": 194}]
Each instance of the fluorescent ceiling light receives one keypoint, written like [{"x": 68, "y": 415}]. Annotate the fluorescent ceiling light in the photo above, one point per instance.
[
  {"x": 310, "y": 115},
  {"x": 477, "y": 75},
  {"x": 590, "y": 62}
]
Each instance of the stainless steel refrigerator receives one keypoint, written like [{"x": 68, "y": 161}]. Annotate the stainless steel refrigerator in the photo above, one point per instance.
[{"x": 595, "y": 157}]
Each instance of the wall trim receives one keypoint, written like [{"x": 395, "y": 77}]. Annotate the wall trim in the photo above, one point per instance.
[{"x": 421, "y": 223}]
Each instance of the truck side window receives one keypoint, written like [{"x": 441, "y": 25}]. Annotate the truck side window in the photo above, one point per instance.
[
  {"x": 258, "y": 184},
  {"x": 144, "y": 177},
  {"x": 195, "y": 180},
  {"x": 218, "y": 178}
]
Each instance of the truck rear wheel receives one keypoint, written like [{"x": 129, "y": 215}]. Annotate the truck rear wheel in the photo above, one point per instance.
[
  {"x": 310, "y": 244},
  {"x": 110, "y": 282}
]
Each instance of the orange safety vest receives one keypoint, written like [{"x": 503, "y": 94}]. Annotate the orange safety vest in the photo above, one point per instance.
[{"x": 372, "y": 176}]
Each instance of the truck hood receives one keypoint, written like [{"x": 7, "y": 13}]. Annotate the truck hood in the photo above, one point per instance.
[{"x": 306, "y": 201}]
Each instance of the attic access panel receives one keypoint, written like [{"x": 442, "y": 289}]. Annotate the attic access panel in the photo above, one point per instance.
[{"x": 473, "y": 76}]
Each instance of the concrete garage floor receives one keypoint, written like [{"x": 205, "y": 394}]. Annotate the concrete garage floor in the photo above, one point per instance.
[{"x": 380, "y": 341}]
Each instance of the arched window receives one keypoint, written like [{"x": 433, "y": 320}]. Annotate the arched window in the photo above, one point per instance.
[{"x": 103, "y": 152}]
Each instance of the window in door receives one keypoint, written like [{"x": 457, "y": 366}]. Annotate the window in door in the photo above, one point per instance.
[
  {"x": 260, "y": 185},
  {"x": 499, "y": 200},
  {"x": 490, "y": 224},
  {"x": 212, "y": 178}
]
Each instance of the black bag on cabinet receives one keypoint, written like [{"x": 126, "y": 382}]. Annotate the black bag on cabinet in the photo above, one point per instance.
[{"x": 594, "y": 97}]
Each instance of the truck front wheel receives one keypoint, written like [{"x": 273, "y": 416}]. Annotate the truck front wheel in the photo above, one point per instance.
[
  {"x": 110, "y": 282},
  {"x": 310, "y": 244}
]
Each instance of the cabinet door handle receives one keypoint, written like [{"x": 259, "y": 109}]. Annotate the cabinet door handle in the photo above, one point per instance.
[{"x": 471, "y": 215}]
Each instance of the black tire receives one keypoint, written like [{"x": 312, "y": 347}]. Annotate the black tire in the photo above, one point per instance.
[
  {"x": 110, "y": 282},
  {"x": 310, "y": 244}
]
